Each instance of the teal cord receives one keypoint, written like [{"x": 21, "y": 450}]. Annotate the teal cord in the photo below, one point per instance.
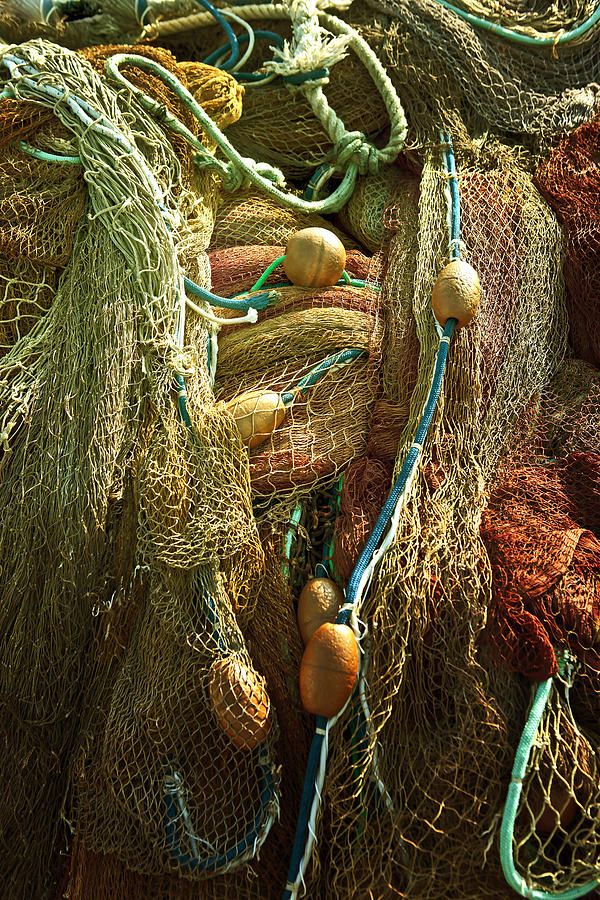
[
  {"x": 315, "y": 375},
  {"x": 516, "y": 36},
  {"x": 289, "y": 539},
  {"x": 49, "y": 157},
  {"x": 266, "y": 273},
  {"x": 511, "y": 809}
]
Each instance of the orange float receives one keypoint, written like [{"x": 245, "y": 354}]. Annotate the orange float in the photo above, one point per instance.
[
  {"x": 257, "y": 414},
  {"x": 319, "y": 602},
  {"x": 456, "y": 293},
  {"x": 240, "y": 702},
  {"x": 314, "y": 257},
  {"x": 329, "y": 669}
]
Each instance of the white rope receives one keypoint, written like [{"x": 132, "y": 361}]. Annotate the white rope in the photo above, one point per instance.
[{"x": 312, "y": 48}]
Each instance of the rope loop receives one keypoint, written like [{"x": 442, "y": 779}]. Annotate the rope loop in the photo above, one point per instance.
[{"x": 354, "y": 147}]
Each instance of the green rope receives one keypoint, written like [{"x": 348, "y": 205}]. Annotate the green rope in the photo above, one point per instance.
[
  {"x": 509, "y": 816},
  {"x": 49, "y": 157},
  {"x": 518, "y": 37},
  {"x": 240, "y": 170},
  {"x": 258, "y": 284}
]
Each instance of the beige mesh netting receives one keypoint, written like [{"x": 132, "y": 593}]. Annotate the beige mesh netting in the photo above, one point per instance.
[
  {"x": 153, "y": 734},
  {"x": 439, "y": 62}
]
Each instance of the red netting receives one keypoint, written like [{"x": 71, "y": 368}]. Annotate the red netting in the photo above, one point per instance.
[
  {"x": 570, "y": 179},
  {"x": 545, "y": 564}
]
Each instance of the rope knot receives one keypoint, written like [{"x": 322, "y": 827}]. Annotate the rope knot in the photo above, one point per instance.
[
  {"x": 354, "y": 147},
  {"x": 237, "y": 178}
]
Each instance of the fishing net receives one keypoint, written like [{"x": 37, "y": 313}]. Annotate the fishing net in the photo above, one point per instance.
[
  {"x": 413, "y": 791},
  {"x": 440, "y": 62},
  {"x": 110, "y": 321},
  {"x": 274, "y": 643},
  {"x": 569, "y": 179},
  {"x": 250, "y": 219},
  {"x": 327, "y": 425}
]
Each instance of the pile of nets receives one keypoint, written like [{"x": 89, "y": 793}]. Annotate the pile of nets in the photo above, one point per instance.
[{"x": 155, "y": 735}]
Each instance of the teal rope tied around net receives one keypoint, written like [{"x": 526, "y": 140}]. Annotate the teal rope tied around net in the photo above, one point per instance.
[
  {"x": 515, "y": 788},
  {"x": 518, "y": 37}
]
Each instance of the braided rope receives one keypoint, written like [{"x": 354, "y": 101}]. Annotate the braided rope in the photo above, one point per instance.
[{"x": 310, "y": 51}]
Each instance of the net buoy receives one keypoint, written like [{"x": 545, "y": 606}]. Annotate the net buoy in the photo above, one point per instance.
[
  {"x": 257, "y": 414},
  {"x": 456, "y": 293},
  {"x": 314, "y": 257},
  {"x": 240, "y": 702},
  {"x": 319, "y": 602},
  {"x": 328, "y": 670}
]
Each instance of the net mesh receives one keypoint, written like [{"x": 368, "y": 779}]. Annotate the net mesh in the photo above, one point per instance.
[
  {"x": 440, "y": 62},
  {"x": 327, "y": 426},
  {"x": 150, "y": 683},
  {"x": 569, "y": 179}
]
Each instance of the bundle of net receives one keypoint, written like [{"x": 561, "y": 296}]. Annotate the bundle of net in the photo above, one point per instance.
[
  {"x": 569, "y": 179},
  {"x": 439, "y": 60},
  {"x": 419, "y": 763},
  {"x": 312, "y": 359},
  {"x": 86, "y": 399},
  {"x": 275, "y": 646},
  {"x": 542, "y": 532}
]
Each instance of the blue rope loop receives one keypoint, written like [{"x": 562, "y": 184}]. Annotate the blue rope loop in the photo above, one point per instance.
[
  {"x": 177, "y": 820},
  {"x": 243, "y": 39},
  {"x": 232, "y": 39}
]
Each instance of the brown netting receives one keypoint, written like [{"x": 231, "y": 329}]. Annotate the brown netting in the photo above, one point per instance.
[
  {"x": 545, "y": 564},
  {"x": 569, "y": 178}
]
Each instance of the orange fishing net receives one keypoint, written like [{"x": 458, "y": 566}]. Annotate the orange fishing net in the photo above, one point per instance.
[{"x": 569, "y": 178}]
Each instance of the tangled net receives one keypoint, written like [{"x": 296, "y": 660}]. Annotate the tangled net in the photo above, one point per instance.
[
  {"x": 441, "y": 62},
  {"x": 154, "y": 738}
]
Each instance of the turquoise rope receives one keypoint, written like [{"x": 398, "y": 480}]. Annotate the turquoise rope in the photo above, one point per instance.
[
  {"x": 45, "y": 156},
  {"x": 516, "y": 36},
  {"x": 258, "y": 302},
  {"x": 315, "y": 375},
  {"x": 511, "y": 808},
  {"x": 289, "y": 538}
]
